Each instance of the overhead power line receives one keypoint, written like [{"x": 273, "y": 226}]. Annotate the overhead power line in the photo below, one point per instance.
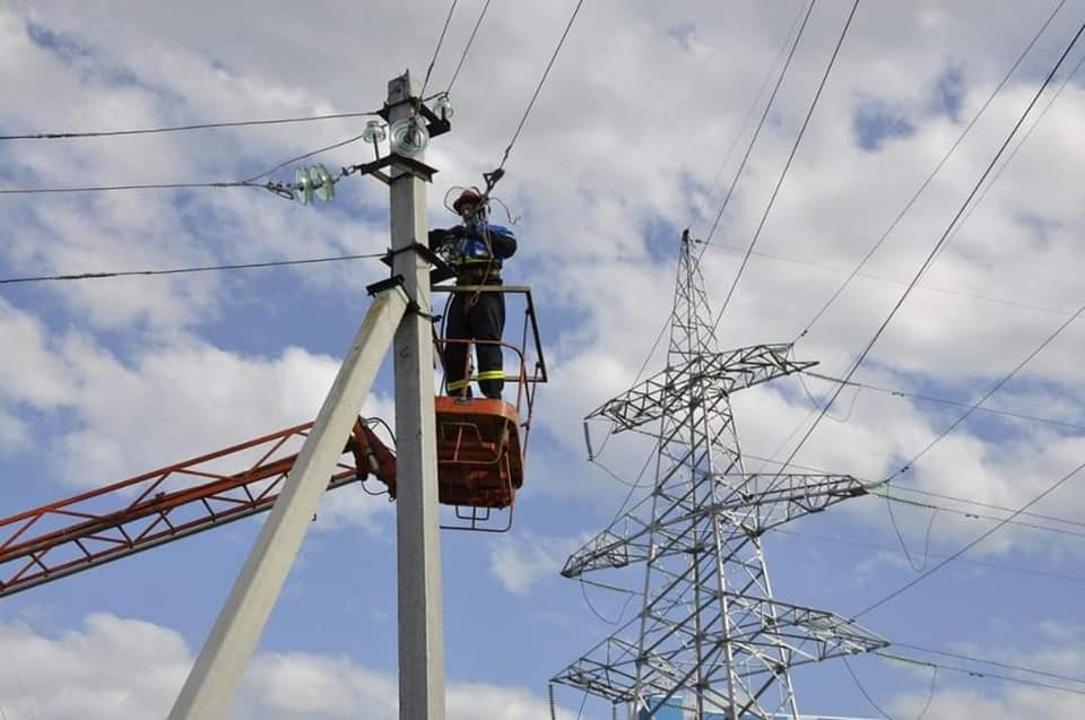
[
  {"x": 249, "y": 182},
  {"x": 896, "y": 392},
  {"x": 873, "y": 490},
  {"x": 1017, "y": 148},
  {"x": 993, "y": 663},
  {"x": 440, "y": 42},
  {"x": 760, "y": 124},
  {"x": 467, "y": 46},
  {"x": 937, "y": 246},
  {"x": 964, "y": 561},
  {"x": 975, "y": 515},
  {"x": 977, "y": 673},
  {"x": 990, "y": 392},
  {"x": 787, "y": 165},
  {"x": 930, "y": 176},
  {"x": 990, "y": 506},
  {"x": 135, "y": 186},
  {"x": 979, "y": 539},
  {"x": 542, "y": 82},
  {"x": 863, "y": 691},
  {"x": 895, "y": 281},
  {"x": 184, "y": 128},
  {"x": 303, "y": 156},
  {"x": 783, "y": 52},
  {"x": 184, "y": 270}
]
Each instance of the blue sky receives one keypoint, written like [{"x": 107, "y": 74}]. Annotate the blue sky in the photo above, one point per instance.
[{"x": 102, "y": 379}]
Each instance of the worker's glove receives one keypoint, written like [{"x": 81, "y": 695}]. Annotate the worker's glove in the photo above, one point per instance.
[{"x": 439, "y": 237}]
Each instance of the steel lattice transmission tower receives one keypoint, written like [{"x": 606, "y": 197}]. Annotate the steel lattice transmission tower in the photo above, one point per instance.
[{"x": 709, "y": 634}]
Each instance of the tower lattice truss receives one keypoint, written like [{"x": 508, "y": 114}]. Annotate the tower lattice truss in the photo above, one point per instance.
[{"x": 709, "y": 636}]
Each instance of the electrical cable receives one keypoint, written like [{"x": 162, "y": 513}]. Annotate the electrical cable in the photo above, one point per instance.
[
  {"x": 930, "y": 177},
  {"x": 987, "y": 395},
  {"x": 539, "y": 87},
  {"x": 467, "y": 46},
  {"x": 930, "y": 257},
  {"x": 870, "y": 700},
  {"x": 900, "y": 488},
  {"x": 896, "y": 392},
  {"x": 978, "y": 563},
  {"x": 640, "y": 372},
  {"x": 183, "y": 128},
  {"x": 872, "y": 488},
  {"x": 894, "y": 281},
  {"x": 437, "y": 49},
  {"x": 930, "y": 694},
  {"x": 916, "y": 567},
  {"x": 304, "y": 156},
  {"x": 1024, "y": 139},
  {"x": 250, "y": 182},
  {"x": 816, "y": 404},
  {"x": 983, "y": 536},
  {"x": 787, "y": 165},
  {"x": 144, "y": 186},
  {"x": 582, "y": 701},
  {"x": 184, "y": 270},
  {"x": 975, "y": 673},
  {"x": 596, "y": 613},
  {"x": 993, "y": 663},
  {"x": 799, "y": 18},
  {"x": 1013, "y": 153},
  {"x": 973, "y": 515}
]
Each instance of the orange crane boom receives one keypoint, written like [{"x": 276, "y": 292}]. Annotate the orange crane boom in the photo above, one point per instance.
[{"x": 112, "y": 522}]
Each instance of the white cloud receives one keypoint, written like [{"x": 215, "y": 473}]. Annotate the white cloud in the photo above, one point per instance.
[
  {"x": 116, "y": 668},
  {"x": 620, "y": 148},
  {"x": 523, "y": 561},
  {"x": 957, "y": 698}
]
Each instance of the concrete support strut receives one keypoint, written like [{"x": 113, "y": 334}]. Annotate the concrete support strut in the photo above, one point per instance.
[{"x": 208, "y": 694}]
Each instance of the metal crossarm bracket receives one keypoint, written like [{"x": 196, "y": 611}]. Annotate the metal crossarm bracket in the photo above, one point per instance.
[
  {"x": 744, "y": 507},
  {"x": 610, "y": 669},
  {"x": 712, "y": 376},
  {"x": 414, "y": 167}
]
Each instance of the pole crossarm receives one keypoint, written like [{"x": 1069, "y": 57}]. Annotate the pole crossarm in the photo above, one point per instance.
[
  {"x": 710, "y": 377},
  {"x": 747, "y": 507},
  {"x": 761, "y": 627}
]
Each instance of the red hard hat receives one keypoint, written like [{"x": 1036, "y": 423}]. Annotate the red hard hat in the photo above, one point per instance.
[{"x": 470, "y": 195}]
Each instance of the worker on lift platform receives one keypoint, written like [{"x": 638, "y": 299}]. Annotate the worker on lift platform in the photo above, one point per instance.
[{"x": 475, "y": 250}]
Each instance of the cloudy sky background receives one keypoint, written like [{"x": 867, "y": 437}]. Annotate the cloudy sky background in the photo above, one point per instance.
[{"x": 107, "y": 378}]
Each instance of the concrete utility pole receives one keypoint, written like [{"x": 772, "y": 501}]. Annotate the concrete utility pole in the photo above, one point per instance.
[
  {"x": 404, "y": 310},
  {"x": 421, "y": 640}
]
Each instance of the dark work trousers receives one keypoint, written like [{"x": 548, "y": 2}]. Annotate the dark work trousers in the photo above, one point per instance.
[{"x": 475, "y": 316}]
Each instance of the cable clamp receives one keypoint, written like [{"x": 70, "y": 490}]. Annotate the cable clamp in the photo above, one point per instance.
[
  {"x": 381, "y": 286},
  {"x": 414, "y": 308},
  {"x": 441, "y": 270}
]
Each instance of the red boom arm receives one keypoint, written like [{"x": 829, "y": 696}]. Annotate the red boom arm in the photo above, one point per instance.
[{"x": 167, "y": 504}]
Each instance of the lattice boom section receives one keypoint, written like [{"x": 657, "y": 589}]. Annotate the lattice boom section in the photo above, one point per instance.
[
  {"x": 711, "y": 375},
  {"x": 154, "y": 508}
]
